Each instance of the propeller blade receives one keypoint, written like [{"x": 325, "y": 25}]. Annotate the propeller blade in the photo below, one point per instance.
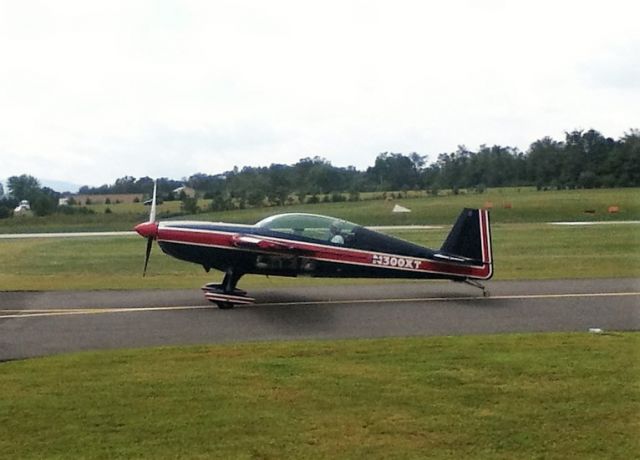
[
  {"x": 149, "y": 229},
  {"x": 152, "y": 214},
  {"x": 146, "y": 258}
]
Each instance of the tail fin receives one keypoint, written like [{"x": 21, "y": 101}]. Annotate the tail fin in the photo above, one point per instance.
[{"x": 470, "y": 237}]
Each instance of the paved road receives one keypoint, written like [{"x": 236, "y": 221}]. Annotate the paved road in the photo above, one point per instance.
[{"x": 45, "y": 323}]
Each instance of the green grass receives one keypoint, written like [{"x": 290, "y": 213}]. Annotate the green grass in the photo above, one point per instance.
[
  {"x": 135, "y": 208},
  {"x": 527, "y": 206},
  {"x": 521, "y": 251},
  {"x": 524, "y": 247},
  {"x": 504, "y": 397}
]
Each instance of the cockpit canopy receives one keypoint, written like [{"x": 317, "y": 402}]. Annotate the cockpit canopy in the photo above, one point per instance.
[
  {"x": 313, "y": 227},
  {"x": 308, "y": 225}
]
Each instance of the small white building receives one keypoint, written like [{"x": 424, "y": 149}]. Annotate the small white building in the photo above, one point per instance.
[
  {"x": 22, "y": 208},
  {"x": 188, "y": 191}
]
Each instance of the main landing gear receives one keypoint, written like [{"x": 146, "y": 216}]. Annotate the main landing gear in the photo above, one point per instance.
[
  {"x": 474, "y": 283},
  {"x": 225, "y": 294}
]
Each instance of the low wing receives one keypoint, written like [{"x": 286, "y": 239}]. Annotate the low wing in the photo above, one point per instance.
[{"x": 266, "y": 244}]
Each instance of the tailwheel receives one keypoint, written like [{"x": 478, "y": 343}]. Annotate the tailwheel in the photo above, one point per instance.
[{"x": 474, "y": 283}]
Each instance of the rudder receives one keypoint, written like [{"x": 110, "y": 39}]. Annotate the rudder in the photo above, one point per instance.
[{"x": 470, "y": 237}]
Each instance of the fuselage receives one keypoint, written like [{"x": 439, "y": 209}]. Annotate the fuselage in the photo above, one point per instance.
[{"x": 300, "y": 245}]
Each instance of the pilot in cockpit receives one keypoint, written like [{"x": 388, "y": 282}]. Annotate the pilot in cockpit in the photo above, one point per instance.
[{"x": 336, "y": 237}]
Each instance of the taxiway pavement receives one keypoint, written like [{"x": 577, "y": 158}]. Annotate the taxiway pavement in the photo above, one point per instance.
[{"x": 44, "y": 323}]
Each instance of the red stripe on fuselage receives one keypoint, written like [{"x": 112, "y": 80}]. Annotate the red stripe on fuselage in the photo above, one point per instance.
[{"x": 224, "y": 240}]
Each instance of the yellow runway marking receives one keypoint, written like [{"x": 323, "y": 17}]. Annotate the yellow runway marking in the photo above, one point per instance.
[
  {"x": 90, "y": 311},
  {"x": 17, "y": 313}
]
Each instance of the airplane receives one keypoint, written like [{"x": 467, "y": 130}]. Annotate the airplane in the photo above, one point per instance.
[{"x": 298, "y": 244}]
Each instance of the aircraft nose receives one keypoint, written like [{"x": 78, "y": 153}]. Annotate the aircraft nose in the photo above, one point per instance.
[{"x": 147, "y": 229}]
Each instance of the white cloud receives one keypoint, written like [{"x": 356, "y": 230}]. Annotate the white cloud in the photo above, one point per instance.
[{"x": 171, "y": 88}]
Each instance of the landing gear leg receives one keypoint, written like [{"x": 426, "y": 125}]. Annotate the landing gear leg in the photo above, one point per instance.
[
  {"x": 226, "y": 295},
  {"x": 474, "y": 283},
  {"x": 229, "y": 282},
  {"x": 231, "y": 278}
]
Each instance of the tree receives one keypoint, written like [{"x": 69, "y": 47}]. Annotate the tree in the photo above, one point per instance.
[
  {"x": 394, "y": 171},
  {"x": 255, "y": 197},
  {"x": 23, "y": 187},
  {"x": 544, "y": 162},
  {"x": 124, "y": 184},
  {"x": 623, "y": 162},
  {"x": 584, "y": 154}
]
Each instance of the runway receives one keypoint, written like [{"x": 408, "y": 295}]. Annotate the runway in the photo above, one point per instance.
[{"x": 45, "y": 323}]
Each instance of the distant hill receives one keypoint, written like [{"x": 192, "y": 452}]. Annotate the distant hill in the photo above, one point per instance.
[{"x": 59, "y": 186}]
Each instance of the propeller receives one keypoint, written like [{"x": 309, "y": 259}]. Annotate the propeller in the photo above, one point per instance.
[
  {"x": 149, "y": 229},
  {"x": 152, "y": 214},
  {"x": 146, "y": 257}
]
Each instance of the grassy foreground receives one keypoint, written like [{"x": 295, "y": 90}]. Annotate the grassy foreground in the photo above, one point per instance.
[
  {"x": 509, "y": 396},
  {"x": 521, "y": 251}
]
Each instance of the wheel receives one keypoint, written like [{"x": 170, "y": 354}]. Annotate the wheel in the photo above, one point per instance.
[{"x": 222, "y": 305}]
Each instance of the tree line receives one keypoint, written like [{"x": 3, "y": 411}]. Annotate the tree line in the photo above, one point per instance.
[{"x": 584, "y": 159}]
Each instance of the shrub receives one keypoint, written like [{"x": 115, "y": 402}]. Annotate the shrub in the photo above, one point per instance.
[
  {"x": 5, "y": 211},
  {"x": 68, "y": 210},
  {"x": 43, "y": 205},
  {"x": 190, "y": 205}
]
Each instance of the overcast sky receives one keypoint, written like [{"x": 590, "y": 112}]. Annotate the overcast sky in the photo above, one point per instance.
[{"x": 94, "y": 90}]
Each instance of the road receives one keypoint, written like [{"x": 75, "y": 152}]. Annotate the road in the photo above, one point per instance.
[{"x": 45, "y": 323}]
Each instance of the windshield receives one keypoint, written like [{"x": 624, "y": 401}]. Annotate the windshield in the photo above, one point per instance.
[{"x": 310, "y": 226}]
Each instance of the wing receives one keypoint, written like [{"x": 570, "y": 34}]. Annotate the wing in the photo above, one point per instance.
[{"x": 266, "y": 244}]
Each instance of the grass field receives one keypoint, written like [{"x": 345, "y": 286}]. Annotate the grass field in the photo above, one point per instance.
[
  {"x": 521, "y": 251},
  {"x": 525, "y": 248},
  {"x": 503, "y": 397},
  {"x": 526, "y": 205}
]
